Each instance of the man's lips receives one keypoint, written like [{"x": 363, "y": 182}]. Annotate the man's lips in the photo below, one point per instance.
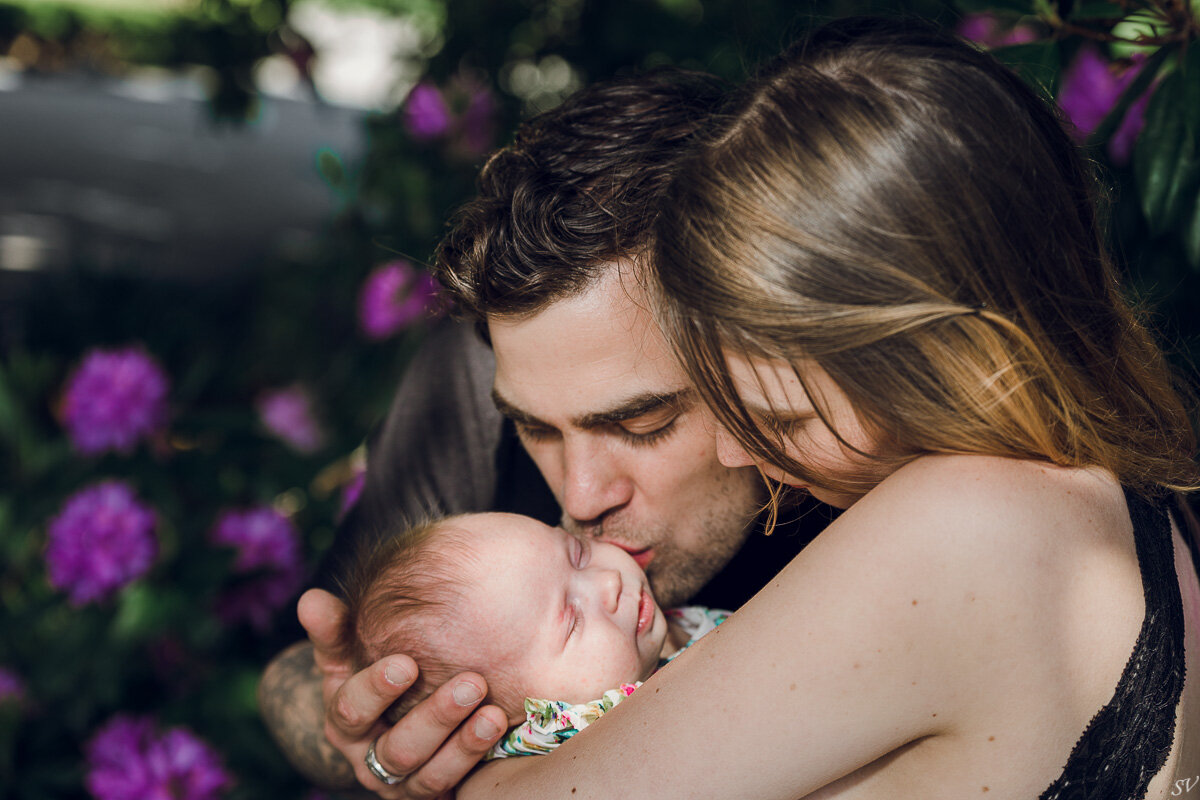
[{"x": 642, "y": 556}]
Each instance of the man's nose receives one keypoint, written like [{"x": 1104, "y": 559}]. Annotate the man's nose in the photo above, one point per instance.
[
  {"x": 594, "y": 482},
  {"x": 729, "y": 452}
]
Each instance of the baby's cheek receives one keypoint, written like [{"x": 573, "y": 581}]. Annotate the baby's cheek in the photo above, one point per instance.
[{"x": 605, "y": 670}]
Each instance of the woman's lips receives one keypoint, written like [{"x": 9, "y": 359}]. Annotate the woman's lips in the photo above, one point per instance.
[{"x": 645, "y": 611}]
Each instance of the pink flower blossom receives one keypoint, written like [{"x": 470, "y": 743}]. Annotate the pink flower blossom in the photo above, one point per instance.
[
  {"x": 128, "y": 760},
  {"x": 987, "y": 31},
  {"x": 12, "y": 688},
  {"x": 113, "y": 399},
  {"x": 426, "y": 115},
  {"x": 101, "y": 540},
  {"x": 1090, "y": 89},
  {"x": 269, "y": 564},
  {"x": 288, "y": 414},
  {"x": 393, "y": 297},
  {"x": 478, "y": 121}
]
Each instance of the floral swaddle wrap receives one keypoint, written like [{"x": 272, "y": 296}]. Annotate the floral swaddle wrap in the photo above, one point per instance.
[{"x": 549, "y": 723}]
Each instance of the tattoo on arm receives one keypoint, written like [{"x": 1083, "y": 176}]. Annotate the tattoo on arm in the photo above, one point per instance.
[{"x": 289, "y": 698}]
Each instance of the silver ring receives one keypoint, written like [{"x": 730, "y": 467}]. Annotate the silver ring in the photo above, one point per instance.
[{"x": 377, "y": 769}]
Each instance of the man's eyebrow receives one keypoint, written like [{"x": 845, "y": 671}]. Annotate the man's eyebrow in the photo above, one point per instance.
[
  {"x": 630, "y": 408},
  {"x": 636, "y": 406},
  {"x": 512, "y": 412}
]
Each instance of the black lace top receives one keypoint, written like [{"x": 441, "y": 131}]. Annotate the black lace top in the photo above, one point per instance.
[{"x": 1128, "y": 740}]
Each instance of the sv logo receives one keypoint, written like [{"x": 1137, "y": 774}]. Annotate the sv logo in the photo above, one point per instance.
[{"x": 1185, "y": 785}]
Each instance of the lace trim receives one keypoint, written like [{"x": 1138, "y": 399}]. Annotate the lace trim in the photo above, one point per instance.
[{"x": 1129, "y": 739}]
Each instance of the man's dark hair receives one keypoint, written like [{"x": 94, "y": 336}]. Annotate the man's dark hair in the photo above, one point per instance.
[{"x": 578, "y": 188}]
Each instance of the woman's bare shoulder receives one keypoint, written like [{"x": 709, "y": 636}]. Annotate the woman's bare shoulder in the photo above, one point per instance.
[
  {"x": 986, "y": 500},
  {"x": 999, "y": 534}
]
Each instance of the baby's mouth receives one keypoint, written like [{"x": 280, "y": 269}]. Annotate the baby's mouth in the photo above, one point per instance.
[{"x": 645, "y": 611}]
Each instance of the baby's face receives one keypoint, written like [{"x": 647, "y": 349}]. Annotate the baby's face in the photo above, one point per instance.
[{"x": 567, "y": 618}]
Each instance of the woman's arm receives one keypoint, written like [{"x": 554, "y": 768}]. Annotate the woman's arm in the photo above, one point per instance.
[{"x": 875, "y": 636}]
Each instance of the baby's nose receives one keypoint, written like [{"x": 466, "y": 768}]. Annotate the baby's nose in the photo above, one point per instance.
[{"x": 610, "y": 589}]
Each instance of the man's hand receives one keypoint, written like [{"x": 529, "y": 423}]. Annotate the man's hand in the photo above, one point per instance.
[{"x": 432, "y": 749}]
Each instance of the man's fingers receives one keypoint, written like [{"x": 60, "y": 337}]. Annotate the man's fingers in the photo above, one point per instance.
[
  {"x": 423, "y": 731},
  {"x": 321, "y": 615},
  {"x": 363, "y": 697},
  {"x": 452, "y": 761}
]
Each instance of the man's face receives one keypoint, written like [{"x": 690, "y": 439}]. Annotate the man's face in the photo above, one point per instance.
[{"x": 620, "y": 436}]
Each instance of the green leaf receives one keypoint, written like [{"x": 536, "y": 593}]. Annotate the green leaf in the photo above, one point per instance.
[
  {"x": 1037, "y": 63},
  {"x": 1166, "y": 158},
  {"x": 1133, "y": 91},
  {"x": 329, "y": 164},
  {"x": 1097, "y": 9},
  {"x": 144, "y": 611},
  {"x": 1191, "y": 234}
]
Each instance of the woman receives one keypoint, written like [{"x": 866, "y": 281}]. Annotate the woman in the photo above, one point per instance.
[{"x": 886, "y": 276}]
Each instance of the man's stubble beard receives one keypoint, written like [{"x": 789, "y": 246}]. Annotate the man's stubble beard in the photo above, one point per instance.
[{"x": 677, "y": 573}]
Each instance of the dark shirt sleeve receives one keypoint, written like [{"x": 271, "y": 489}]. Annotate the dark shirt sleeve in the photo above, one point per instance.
[
  {"x": 435, "y": 452},
  {"x": 762, "y": 557}
]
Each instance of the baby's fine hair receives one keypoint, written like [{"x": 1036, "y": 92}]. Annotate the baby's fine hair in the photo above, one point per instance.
[{"x": 403, "y": 595}]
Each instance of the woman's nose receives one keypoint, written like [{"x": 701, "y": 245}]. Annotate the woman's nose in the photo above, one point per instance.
[{"x": 729, "y": 452}]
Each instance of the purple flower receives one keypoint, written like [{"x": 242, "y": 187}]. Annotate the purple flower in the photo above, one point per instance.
[
  {"x": 988, "y": 32},
  {"x": 426, "y": 114},
  {"x": 113, "y": 399},
  {"x": 12, "y": 688},
  {"x": 101, "y": 540},
  {"x": 1091, "y": 87},
  {"x": 128, "y": 760},
  {"x": 478, "y": 129},
  {"x": 288, "y": 414},
  {"x": 268, "y": 559},
  {"x": 394, "y": 296}
]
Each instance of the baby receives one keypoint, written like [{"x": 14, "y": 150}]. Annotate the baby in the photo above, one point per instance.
[{"x": 562, "y": 628}]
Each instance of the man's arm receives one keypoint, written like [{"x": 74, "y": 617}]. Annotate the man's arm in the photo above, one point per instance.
[
  {"x": 289, "y": 698},
  {"x": 434, "y": 454}
]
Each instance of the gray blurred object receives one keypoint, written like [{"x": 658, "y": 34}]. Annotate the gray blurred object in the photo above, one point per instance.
[{"x": 133, "y": 177}]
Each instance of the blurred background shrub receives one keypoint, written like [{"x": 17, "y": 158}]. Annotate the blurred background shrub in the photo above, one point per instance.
[{"x": 213, "y": 220}]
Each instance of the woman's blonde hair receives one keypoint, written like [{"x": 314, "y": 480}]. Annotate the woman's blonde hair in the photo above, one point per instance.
[{"x": 894, "y": 205}]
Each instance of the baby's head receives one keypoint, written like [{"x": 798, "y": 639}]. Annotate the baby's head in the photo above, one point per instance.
[{"x": 536, "y": 611}]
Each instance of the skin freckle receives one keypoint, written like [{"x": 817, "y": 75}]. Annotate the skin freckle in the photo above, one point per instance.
[
  {"x": 914, "y": 602},
  {"x": 792, "y": 688},
  {"x": 935, "y": 715},
  {"x": 985, "y": 789},
  {"x": 991, "y": 738},
  {"x": 857, "y": 665}
]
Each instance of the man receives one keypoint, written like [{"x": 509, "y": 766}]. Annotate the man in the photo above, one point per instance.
[{"x": 545, "y": 262}]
